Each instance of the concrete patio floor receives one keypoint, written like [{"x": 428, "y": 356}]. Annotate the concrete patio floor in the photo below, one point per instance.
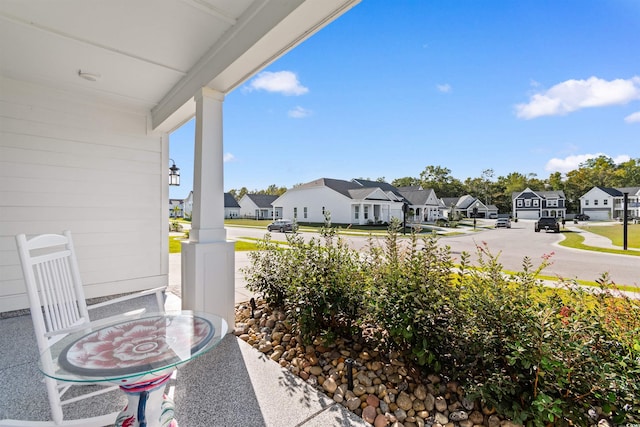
[{"x": 231, "y": 385}]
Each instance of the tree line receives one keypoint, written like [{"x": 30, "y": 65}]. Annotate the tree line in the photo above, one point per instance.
[{"x": 600, "y": 171}]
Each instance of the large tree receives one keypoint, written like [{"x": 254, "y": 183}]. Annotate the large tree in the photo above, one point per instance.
[{"x": 440, "y": 180}]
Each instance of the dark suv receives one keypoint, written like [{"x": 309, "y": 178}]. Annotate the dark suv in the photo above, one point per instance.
[{"x": 547, "y": 223}]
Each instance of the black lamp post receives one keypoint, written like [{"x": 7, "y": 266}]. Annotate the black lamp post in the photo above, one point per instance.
[
  {"x": 475, "y": 215},
  {"x": 625, "y": 218},
  {"x": 174, "y": 174},
  {"x": 405, "y": 208}
]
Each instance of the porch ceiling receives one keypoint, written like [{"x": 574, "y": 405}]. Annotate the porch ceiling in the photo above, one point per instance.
[{"x": 152, "y": 55}]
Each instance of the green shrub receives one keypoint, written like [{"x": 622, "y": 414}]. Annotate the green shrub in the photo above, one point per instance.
[
  {"x": 539, "y": 355},
  {"x": 412, "y": 296},
  {"x": 320, "y": 282}
]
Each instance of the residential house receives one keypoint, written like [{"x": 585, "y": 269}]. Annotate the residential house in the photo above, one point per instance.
[
  {"x": 529, "y": 204},
  {"x": 605, "y": 203},
  {"x": 231, "y": 206},
  {"x": 176, "y": 208},
  {"x": 424, "y": 205},
  {"x": 88, "y": 106},
  {"x": 463, "y": 207},
  {"x": 259, "y": 206},
  {"x": 348, "y": 202},
  {"x": 185, "y": 206}
]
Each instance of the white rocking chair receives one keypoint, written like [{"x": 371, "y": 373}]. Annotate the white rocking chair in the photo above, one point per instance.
[{"x": 58, "y": 307}]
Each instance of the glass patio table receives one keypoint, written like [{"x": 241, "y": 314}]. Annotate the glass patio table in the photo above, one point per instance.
[{"x": 139, "y": 353}]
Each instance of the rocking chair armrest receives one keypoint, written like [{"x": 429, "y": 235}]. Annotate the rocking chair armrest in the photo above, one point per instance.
[{"x": 65, "y": 331}]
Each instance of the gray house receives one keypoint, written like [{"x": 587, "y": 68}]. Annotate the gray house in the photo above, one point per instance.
[
  {"x": 464, "y": 207},
  {"x": 529, "y": 204}
]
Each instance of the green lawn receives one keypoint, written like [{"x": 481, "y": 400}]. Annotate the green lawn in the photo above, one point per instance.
[
  {"x": 615, "y": 233},
  {"x": 576, "y": 241},
  {"x": 175, "y": 248}
]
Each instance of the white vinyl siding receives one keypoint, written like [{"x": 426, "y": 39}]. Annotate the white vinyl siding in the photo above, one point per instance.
[{"x": 91, "y": 169}]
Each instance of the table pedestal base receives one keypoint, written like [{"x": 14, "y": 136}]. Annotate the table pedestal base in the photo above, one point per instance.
[{"x": 147, "y": 405}]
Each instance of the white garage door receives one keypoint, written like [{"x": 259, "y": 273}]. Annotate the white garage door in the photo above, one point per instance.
[
  {"x": 528, "y": 214},
  {"x": 598, "y": 215}
]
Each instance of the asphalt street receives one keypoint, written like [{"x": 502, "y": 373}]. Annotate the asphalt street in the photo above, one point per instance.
[{"x": 512, "y": 246}]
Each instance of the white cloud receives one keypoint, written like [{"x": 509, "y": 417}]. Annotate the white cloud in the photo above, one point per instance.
[
  {"x": 299, "y": 113},
  {"x": 284, "y": 82},
  {"x": 573, "y": 162},
  {"x": 633, "y": 118},
  {"x": 573, "y": 95},
  {"x": 228, "y": 157},
  {"x": 445, "y": 88}
]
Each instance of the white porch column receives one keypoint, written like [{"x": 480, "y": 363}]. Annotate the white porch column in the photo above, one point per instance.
[{"x": 208, "y": 259}]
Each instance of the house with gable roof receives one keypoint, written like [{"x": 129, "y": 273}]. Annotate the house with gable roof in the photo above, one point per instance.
[
  {"x": 605, "y": 203},
  {"x": 424, "y": 205},
  {"x": 259, "y": 206},
  {"x": 463, "y": 207},
  {"x": 349, "y": 202},
  {"x": 529, "y": 204},
  {"x": 231, "y": 206}
]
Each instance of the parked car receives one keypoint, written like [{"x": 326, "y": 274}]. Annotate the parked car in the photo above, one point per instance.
[
  {"x": 503, "y": 223},
  {"x": 582, "y": 217},
  {"x": 547, "y": 223},
  {"x": 281, "y": 225}
]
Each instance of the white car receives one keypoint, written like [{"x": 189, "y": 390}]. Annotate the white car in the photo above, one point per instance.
[{"x": 503, "y": 223}]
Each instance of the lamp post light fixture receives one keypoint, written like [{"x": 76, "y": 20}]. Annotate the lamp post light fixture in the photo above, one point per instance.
[{"x": 174, "y": 174}]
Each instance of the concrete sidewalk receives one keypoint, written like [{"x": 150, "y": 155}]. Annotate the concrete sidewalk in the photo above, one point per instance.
[
  {"x": 596, "y": 240},
  {"x": 232, "y": 385}
]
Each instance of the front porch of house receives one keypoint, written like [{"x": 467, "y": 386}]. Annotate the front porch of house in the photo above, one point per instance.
[
  {"x": 231, "y": 385},
  {"x": 370, "y": 212}
]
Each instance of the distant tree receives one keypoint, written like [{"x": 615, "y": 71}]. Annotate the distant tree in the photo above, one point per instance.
[
  {"x": 273, "y": 190},
  {"x": 627, "y": 174},
  {"x": 242, "y": 192},
  {"x": 474, "y": 187},
  {"x": 407, "y": 181},
  {"x": 487, "y": 176},
  {"x": 555, "y": 181},
  {"x": 440, "y": 180}
]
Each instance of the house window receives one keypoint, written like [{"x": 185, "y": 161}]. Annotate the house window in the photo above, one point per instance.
[
  {"x": 536, "y": 203},
  {"x": 356, "y": 212},
  {"x": 595, "y": 202},
  {"x": 323, "y": 211},
  {"x": 366, "y": 212},
  {"x": 519, "y": 203},
  {"x": 605, "y": 202},
  {"x": 586, "y": 203},
  {"x": 295, "y": 213},
  {"x": 304, "y": 210},
  {"x": 527, "y": 203}
]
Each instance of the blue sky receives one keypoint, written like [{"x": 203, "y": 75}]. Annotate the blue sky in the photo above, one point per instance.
[{"x": 529, "y": 86}]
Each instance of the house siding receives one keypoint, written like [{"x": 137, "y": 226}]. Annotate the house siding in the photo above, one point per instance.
[
  {"x": 92, "y": 169},
  {"x": 314, "y": 199}
]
